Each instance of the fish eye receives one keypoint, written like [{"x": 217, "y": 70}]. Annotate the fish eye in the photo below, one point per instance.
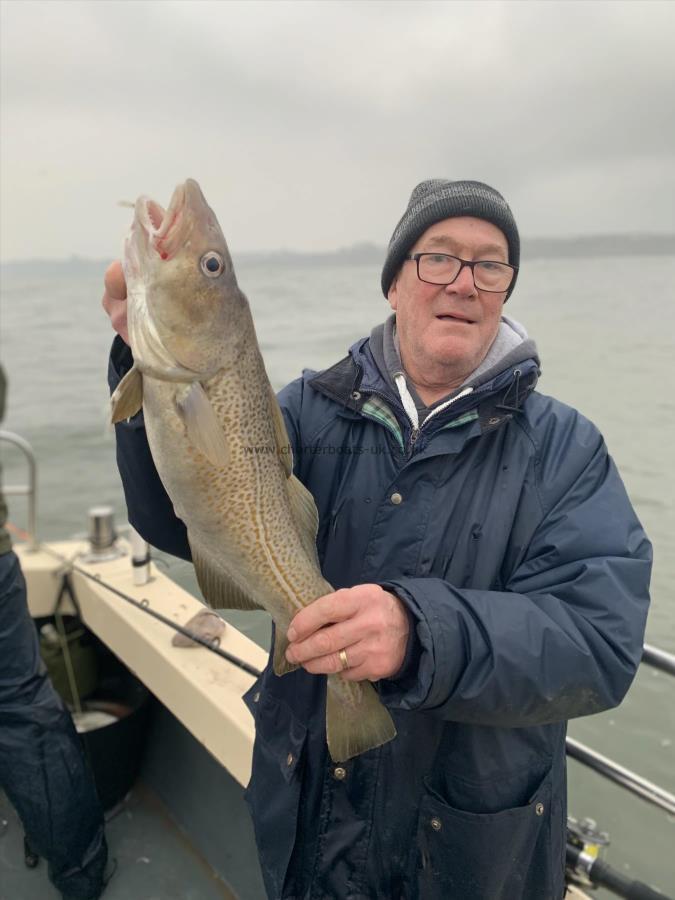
[{"x": 212, "y": 264}]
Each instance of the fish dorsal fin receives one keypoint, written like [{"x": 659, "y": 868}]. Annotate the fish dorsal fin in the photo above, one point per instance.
[
  {"x": 281, "y": 439},
  {"x": 305, "y": 516},
  {"x": 127, "y": 398},
  {"x": 203, "y": 428},
  {"x": 302, "y": 503},
  {"x": 219, "y": 589}
]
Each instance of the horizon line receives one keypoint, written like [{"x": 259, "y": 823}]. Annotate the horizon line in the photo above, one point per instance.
[{"x": 363, "y": 245}]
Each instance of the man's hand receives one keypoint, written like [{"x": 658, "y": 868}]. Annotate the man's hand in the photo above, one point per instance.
[
  {"x": 367, "y": 622},
  {"x": 115, "y": 298}
]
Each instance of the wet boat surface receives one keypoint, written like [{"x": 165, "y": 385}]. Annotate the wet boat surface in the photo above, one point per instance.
[{"x": 155, "y": 859}]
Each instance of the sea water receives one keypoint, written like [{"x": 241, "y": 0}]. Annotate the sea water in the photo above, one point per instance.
[{"x": 605, "y": 329}]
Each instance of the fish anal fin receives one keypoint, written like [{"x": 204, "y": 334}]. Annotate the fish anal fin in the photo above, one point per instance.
[
  {"x": 219, "y": 589},
  {"x": 127, "y": 397},
  {"x": 353, "y": 728},
  {"x": 281, "y": 439},
  {"x": 281, "y": 665},
  {"x": 204, "y": 431}
]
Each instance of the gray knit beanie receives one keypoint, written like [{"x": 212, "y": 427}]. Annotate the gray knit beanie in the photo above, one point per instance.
[{"x": 438, "y": 199}]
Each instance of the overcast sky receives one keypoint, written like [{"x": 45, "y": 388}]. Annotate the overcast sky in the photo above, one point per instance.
[{"x": 308, "y": 123}]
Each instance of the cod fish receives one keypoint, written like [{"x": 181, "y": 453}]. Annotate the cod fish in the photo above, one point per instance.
[{"x": 219, "y": 441}]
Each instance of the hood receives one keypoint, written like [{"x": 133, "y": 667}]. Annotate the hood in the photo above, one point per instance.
[
  {"x": 380, "y": 360},
  {"x": 493, "y": 393}
]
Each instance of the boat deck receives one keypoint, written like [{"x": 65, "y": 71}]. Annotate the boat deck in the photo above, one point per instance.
[
  {"x": 155, "y": 860},
  {"x": 184, "y": 830}
]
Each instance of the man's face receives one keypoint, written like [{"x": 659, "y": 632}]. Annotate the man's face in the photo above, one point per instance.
[{"x": 448, "y": 326}]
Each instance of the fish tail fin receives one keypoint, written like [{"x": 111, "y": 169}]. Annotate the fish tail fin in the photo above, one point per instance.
[{"x": 356, "y": 719}]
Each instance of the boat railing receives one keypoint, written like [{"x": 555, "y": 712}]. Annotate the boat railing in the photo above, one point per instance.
[
  {"x": 622, "y": 776},
  {"x": 658, "y": 659},
  {"x": 28, "y": 490},
  {"x": 625, "y": 778}
]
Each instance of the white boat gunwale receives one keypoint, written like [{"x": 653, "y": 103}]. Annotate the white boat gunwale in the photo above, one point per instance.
[{"x": 203, "y": 690}]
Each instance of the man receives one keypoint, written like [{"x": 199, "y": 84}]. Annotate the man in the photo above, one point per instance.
[
  {"x": 42, "y": 766},
  {"x": 493, "y": 575}
]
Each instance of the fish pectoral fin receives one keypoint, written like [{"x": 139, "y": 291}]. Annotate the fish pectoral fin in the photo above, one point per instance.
[
  {"x": 127, "y": 397},
  {"x": 203, "y": 428},
  {"x": 305, "y": 515},
  {"x": 281, "y": 439},
  {"x": 219, "y": 589},
  {"x": 281, "y": 665},
  {"x": 358, "y": 723}
]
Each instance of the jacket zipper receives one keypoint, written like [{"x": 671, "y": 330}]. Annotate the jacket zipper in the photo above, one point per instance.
[{"x": 416, "y": 429}]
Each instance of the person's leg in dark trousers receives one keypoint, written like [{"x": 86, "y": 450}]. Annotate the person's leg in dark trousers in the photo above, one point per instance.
[{"x": 42, "y": 766}]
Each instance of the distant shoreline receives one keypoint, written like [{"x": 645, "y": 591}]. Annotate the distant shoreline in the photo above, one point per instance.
[{"x": 371, "y": 254}]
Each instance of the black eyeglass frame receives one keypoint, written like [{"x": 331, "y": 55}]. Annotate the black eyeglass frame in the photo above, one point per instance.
[{"x": 415, "y": 257}]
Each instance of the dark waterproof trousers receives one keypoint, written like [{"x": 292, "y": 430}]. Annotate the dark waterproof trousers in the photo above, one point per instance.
[{"x": 42, "y": 765}]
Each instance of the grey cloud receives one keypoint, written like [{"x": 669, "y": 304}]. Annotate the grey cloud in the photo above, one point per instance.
[{"x": 308, "y": 123}]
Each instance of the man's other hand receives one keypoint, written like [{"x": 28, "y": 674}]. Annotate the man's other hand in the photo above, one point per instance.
[
  {"x": 115, "y": 298},
  {"x": 370, "y": 624}
]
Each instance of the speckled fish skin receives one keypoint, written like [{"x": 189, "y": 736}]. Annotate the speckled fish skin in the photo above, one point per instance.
[{"x": 218, "y": 441}]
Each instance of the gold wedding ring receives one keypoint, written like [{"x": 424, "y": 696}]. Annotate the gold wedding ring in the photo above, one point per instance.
[{"x": 343, "y": 659}]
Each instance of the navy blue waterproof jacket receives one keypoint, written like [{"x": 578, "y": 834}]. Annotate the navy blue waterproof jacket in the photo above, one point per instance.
[{"x": 507, "y": 532}]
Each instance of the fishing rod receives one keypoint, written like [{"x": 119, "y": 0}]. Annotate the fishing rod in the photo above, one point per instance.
[
  {"x": 586, "y": 869},
  {"x": 213, "y": 645}
]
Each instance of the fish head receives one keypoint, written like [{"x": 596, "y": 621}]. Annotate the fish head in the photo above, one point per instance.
[{"x": 185, "y": 308}]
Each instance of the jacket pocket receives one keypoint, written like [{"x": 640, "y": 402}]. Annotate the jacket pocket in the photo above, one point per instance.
[
  {"x": 273, "y": 793},
  {"x": 502, "y": 855}
]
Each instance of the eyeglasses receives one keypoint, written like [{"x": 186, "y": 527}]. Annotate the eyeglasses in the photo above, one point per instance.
[{"x": 441, "y": 268}]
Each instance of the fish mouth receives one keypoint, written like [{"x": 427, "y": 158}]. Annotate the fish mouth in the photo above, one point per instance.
[{"x": 166, "y": 230}]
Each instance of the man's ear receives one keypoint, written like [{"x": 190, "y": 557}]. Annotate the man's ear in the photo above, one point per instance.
[{"x": 392, "y": 293}]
